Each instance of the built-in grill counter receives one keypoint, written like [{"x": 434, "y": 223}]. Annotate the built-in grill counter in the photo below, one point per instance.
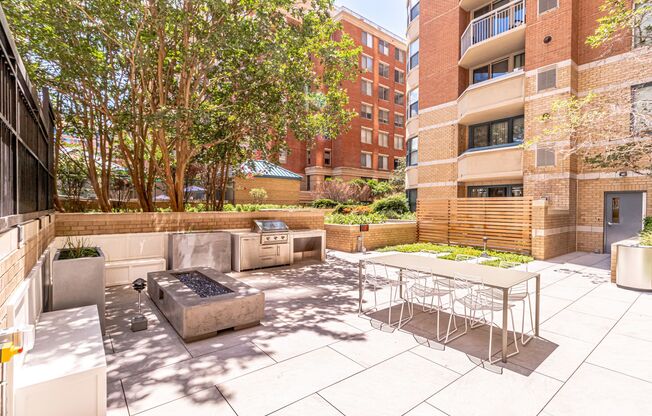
[{"x": 271, "y": 243}]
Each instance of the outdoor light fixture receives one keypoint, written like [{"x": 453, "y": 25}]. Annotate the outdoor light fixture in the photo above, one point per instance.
[
  {"x": 139, "y": 322},
  {"x": 484, "y": 251},
  {"x": 547, "y": 39},
  {"x": 622, "y": 174}
]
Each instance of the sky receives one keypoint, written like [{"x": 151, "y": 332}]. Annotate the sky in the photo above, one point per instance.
[{"x": 390, "y": 14}]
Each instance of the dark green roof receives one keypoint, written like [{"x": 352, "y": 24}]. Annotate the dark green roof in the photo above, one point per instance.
[{"x": 265, "y": 169}]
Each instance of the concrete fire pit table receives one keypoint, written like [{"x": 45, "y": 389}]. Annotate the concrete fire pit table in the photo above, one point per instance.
[{"x": 200, "y": 301}]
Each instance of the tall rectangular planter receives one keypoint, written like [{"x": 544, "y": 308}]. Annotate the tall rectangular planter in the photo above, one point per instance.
[{"x": 79, "y": 282}]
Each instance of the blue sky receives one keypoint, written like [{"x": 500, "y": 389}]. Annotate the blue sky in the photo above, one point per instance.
[{"x": 390, "y": 14}]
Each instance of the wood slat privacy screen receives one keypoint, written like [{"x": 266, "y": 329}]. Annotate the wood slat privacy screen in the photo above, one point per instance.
[
  {"x": 26, "y": 145},
  {"x": 507, "y": 222}
]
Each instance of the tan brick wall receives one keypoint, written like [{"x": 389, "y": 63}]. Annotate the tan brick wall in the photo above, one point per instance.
[
  {"x": 345, "y": 237},
  {"x": 17, "y": 264},
  {"x": 147, "y": 222},
  {"x": 279, "y": 191}
]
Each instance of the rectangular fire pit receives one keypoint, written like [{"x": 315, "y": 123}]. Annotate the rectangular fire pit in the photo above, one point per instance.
[{"x": 200, "y": 301}]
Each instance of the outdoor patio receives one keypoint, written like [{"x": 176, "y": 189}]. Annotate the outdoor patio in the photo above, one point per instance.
[{"x": 313, "y": 355}]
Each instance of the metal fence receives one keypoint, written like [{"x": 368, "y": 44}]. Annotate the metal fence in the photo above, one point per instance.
[{"x": 26, "y": 139}]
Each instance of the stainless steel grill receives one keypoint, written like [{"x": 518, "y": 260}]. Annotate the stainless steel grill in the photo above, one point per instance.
[{"x": 272, "y": 231}]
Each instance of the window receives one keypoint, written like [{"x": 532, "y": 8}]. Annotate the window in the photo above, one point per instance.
[
  {"x": 411, "y": 195},
  {"x": 643, "y": 31},
  {"x": 414, "y": 54},
  {"x": 367, "y": 111},
  {"x": 399, "y": 55},
  {"x": 546, "y": 79},
  {"x": 383, "y": 116},
  {"x": 399, "y": 98},
  {"x": 366, "y": 136},
  {"x": 307, "y": 183},
  {"x": 398, "y": 142},
  {"x": 414, "y": 10},
  {"x": 413, "y": 103},
  {"x": 615, "y": 211},
  {"x": 412, "y": 154},
  {"x": 399, "y": 76},
  {"x": 367, "y": 40},
  {"x": 497, "y": 132},
  {"x": 283, "y": 156},
  {"x": 397, "y": 163},
  {"x": 642, "y": 109},
  {"x": 519, "y": 61},
  {"x": 495, "y": 191},
  {"x": 308, "y": 157},
  {"x": 327, "y": 157},
  {"x": 383, "y": 47},
  {"x": 383, "y": 139},
  {"x": 545, "y": 5},
  {"x": 545, "y": 156},
  {"x": 399, "y": 120},
  {"x": 383, "y": 70},
  {"x": 383, "y": 93},
  {"x": 367, "y": 87},
  {"x": 494, "y": 70},
  {"x": 383, "y": 162},
  {"x": 365, "y": 160},
  {"x": 367, "y": 63}
]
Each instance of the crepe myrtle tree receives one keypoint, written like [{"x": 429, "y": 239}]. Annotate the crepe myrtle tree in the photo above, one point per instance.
[{"x": 149, "y": 74}]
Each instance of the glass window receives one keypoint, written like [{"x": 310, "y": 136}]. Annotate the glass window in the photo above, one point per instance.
[
  {"x": 383, "y": 162},
  {"x": 367, "y": 87},
  {"x": 412, "y": 155},
  {"x": 518, "y": 129},
  {"x": 383, "y": 93},
  {"x": 399, "y": 120},
  {"x": 399, "y": 55},
  {"x": 283, "y": 156},
  {"x": 397, "y": 163},
  {"x": 414, "y": 54},
  {"x": 367, "y": 63},
  {"x": 481, "y": 74},
  {"x": 327, "y": 157},
  {"x": 642, "y": 109},
  {"x": 499, "y": 133},
  {"x": 383, "y": 139},
  {"x": 383, "y": 116},
  {"x": 414, "y": 103},
  {"x": 366, "y": 111},
  {"x": 365, "y": 160},
  {"x": 615, "y": 210},
  {"x": 500, "y": 68},
  {"x": 414, "y": 10},
  {"x": 383, "y": 70},
  {"x": 367, "y": 40},
  {"x": 366, "y": 136},
  {"x": 480, "y": 135},
  {"x": 519, "y": 60},
  {"x": 517, "y": 190},
  {"x": 383, "y": 47},
  {"x": 399, "y": 98},
  {"x": 399, "y": 76},
  {"x": 398, "y": 142},
  {"x": 495, "y": 191},
  {"x": 412, "y": 199},
  {"x": 545, "y": 5}
]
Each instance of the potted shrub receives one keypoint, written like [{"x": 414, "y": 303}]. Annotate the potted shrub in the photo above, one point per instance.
[{"x": 78, "y": 277}]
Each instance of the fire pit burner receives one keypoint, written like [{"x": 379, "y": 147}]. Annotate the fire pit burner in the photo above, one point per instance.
[{"x": 202, "y": 285}]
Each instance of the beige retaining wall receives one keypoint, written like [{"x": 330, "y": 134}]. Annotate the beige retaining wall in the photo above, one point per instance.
[
  {"x": 17, "y": 260},
  {"x": 149, "y": 222},
  {"x": 345, "y": 237}
]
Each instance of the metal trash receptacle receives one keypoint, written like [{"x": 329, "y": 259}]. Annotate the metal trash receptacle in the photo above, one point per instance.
[{"x": 634, "y": 268}]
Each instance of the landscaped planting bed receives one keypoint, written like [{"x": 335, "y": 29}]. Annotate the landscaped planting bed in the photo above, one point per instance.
[{"x": 451, "y": 253}]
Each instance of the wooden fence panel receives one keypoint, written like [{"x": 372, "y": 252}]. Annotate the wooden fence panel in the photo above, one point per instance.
[{"x": 507, "y": 222}]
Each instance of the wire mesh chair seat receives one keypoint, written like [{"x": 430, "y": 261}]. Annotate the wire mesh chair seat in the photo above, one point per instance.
[{"x": 377, "y": 277}]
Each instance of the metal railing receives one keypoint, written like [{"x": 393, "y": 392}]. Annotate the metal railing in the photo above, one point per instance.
[{"x": 500, "y": 20}]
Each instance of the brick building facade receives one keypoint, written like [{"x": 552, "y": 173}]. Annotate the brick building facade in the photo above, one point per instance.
[
  {"x": 483, "y": 74},
  {"x": 376, "y": 137}
]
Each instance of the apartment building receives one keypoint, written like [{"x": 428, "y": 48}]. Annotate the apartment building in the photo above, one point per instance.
[
  {"x": 481, "y": 74},
  {"x": 375, "y": 141}
]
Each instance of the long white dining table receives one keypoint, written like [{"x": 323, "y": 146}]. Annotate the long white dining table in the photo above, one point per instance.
[{"x": 494, "y": 277}]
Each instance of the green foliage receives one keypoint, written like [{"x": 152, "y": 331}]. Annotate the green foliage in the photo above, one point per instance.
[
  {"x": 323, "y": 203},
  {"x": 355, "y": 219},
  {"x": 392, "y": 206},
  {"x": 646, "y": 238},
  {"x": 623, "y": 18},
  {"x": 647, "y": 224},
  {"x": 259, "y": 195},
  {"x": 454, "y": 251},
  {"x": 77, "y": 248}
]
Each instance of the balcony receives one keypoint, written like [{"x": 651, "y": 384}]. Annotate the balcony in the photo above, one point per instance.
[
  {"x": 493, "y": 99},
  {"x": 499, "y": 163},
  {"x": 495, "y": 33}
]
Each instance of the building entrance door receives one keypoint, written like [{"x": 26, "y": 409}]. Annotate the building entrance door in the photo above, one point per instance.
[{"x": 623, "y": 213}]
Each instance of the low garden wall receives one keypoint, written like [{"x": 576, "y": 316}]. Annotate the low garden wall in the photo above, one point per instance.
[
  {"x": 345, "y": 237},
  {"x": 149, "y": 222}
]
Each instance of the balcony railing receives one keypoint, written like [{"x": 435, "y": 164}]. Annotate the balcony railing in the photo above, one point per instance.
[{"x": 494, "y": 23}]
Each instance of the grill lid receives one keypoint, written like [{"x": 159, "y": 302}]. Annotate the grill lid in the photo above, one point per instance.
[{"x": 270, "y": 226}]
